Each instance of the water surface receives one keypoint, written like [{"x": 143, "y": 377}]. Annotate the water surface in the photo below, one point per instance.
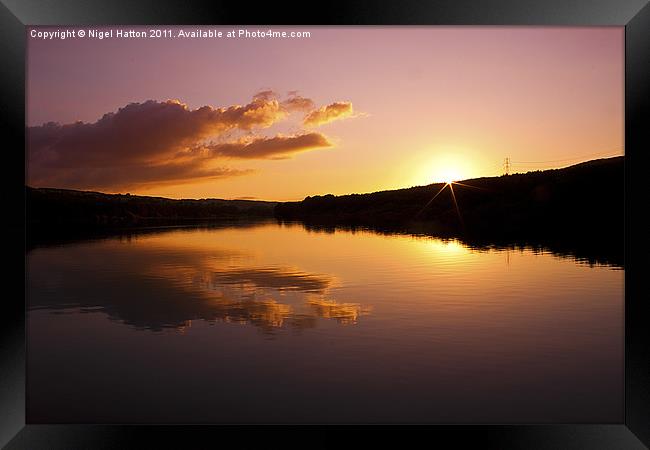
[{"x": 276, "y": 323}]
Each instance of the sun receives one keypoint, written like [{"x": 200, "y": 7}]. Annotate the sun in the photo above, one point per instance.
[
  {"x": 448, "y": 175},
  {"x": 446, "y": 167}
]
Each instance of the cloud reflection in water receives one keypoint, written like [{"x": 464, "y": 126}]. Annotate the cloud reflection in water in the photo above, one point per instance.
[{"x": 169, "y": 289}]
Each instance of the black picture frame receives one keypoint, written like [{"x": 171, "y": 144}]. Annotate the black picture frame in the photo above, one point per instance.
[{"x": 633, "y": 431}]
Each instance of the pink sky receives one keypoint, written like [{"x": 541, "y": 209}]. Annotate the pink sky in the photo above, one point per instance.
[{"x": 428, "y": 102}]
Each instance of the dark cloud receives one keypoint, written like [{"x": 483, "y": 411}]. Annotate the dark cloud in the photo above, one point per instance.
[
  {"x": 329, "y": 113},
  {"x": 140, "y": 132},
  {"x": 133, "y": 176},
  {"x": 153, "y": 142},
  {"x": 278, "y": 147}
]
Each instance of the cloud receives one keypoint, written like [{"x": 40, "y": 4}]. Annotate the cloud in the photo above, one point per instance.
[
  {"x": 266, "y": 95},
  {"x": 153, "y": 142},
  {"x": 278, "y": 147},
  {"x": 141, "y": 132},
  {"x": 294, "y": 102},
  {"x": 329, "y": 113},
  {"x": 134, "y": 176},
  {"x": 297, "y": 102}
]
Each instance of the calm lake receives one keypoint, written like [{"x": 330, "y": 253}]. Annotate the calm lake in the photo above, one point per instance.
[{"x": 276, "y": 323}]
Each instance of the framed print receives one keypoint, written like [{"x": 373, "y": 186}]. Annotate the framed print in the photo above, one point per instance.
[{"x": 234, "y": 220}]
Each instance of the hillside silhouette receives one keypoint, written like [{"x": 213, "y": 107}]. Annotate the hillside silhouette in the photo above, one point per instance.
[{"x": 47, "y": 208}]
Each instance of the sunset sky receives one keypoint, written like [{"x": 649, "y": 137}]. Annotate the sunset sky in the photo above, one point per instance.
[{"x": 349, "y": 109}]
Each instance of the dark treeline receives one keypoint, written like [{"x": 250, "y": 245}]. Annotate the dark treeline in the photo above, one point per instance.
[
  {"x": 575, "y": 209},
  {"x": 53, "y": 208}
]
